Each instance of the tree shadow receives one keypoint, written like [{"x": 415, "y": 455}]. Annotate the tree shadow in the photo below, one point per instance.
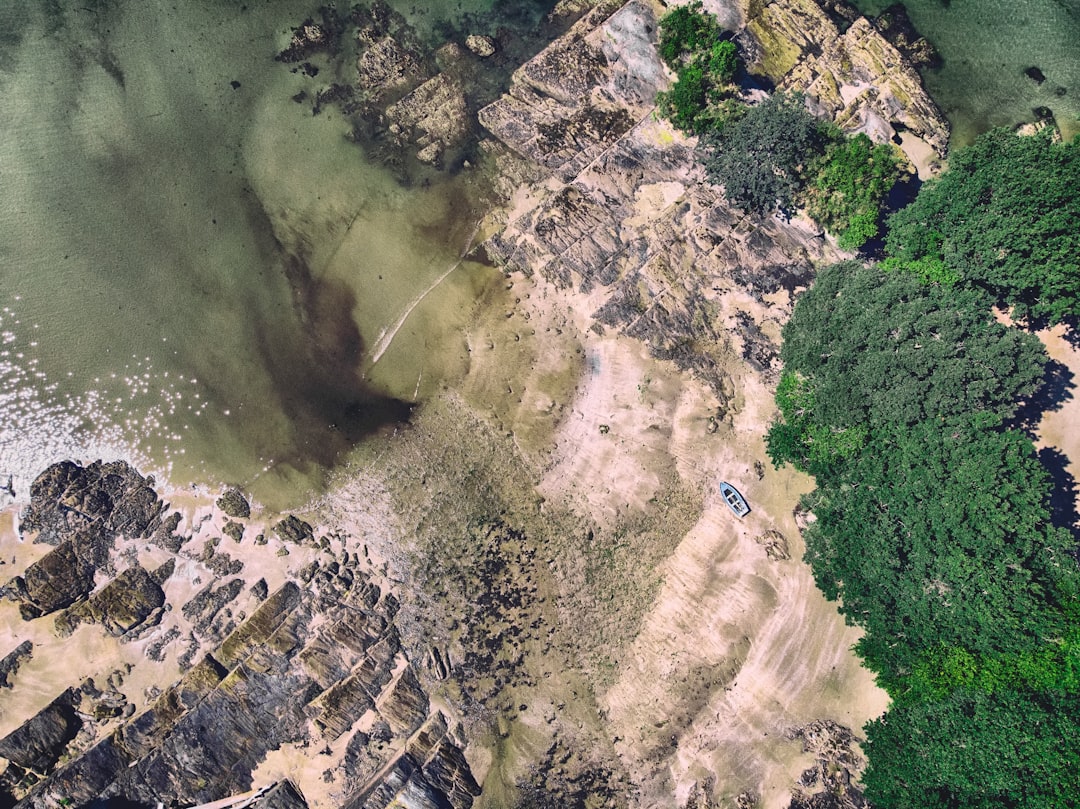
[
  {"x": 1063, "y": 513},
  {"x": 1056, "y": 389}
]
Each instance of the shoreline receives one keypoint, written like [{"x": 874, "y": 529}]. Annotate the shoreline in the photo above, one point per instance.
[{"x": 560, "y": 576}]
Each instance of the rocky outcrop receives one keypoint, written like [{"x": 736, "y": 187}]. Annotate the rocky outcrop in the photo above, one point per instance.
[
  {"x": 857, "y": 78},
  {"x": 430, "y": 773},
  {"x": 57, "y": 580},
  {"x": 631, "y": 221},
  {"x": 434, "y": 116},
  {"x": 317, "y": 659},
  {"x": 111, "y": 497},
  {"x": 120, "y": 607},
  {"x": 622, "y": 211},
  {"x": 37, "y": 743}
]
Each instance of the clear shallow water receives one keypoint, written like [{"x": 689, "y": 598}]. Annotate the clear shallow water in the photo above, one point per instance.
[
  {"x": 986, "y": 45},
  {"x": 194, "y": 269}
]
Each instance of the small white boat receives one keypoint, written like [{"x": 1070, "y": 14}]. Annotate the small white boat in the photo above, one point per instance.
[{"x": 736, "y": 502}]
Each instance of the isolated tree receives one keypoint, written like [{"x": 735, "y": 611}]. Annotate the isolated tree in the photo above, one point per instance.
[{"x": 760, "y": 158}]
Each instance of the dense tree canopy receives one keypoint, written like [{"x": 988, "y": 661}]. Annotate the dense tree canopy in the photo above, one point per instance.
[
  {"x": 935, "y": 537},
  {"x": 974, "y": 750},
  {"x": 1003, "y": 217},
  {"x": 885, "y": 349}
]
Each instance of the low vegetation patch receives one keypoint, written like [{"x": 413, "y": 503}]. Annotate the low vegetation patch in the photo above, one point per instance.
[{"x": 773, "y": 154}]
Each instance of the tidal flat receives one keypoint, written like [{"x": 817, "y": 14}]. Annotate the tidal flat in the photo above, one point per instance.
[{"x": 522, "y": 588}]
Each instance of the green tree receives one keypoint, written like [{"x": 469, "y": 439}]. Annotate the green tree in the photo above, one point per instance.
[
  {"x": 883, "y": 349},
  {"x": 686, "y": 30},
  {"x": 1004, "y": 218},
  {"x": 974, "y": 750},
  {"x": 849, "y": 183},
  {"x": 798, "y": 438},
  {"x": 760, "y": 158},
  {"x": 943, "y": 538}
]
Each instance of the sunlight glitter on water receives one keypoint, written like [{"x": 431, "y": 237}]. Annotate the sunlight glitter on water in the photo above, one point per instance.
[{"x": 130, "y": 413}]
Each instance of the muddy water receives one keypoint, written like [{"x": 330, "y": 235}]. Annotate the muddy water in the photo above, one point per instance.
[{"x": 195, "y": 272}]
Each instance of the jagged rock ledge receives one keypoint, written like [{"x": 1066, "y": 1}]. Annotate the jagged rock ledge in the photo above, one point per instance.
[{"x": 317, "y": 662}]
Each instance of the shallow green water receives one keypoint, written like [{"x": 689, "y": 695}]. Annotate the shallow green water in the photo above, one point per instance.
[
  {"x": 194, "y": 270},
  {"x": 986, "y": 45}
]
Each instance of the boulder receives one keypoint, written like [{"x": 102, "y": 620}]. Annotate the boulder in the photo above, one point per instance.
[
  {"x": 233, "y": 504},
  {"x": 482, "y": 46},
  {"x": 293, "y": 529}
]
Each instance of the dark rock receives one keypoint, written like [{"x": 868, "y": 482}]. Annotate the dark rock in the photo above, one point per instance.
[
  {"x": 390, "y": 67},
  {"x": 120, "y": 606},
  {"x": 775, "y": 544},
  {"x": 113, "y": 496},
  {"x": 1035, "y": 74},
  {"x": 406, "y": 705},
  {"x": 894, "y": 24},
  {"x": 259, "y": 590},
  {"x": 165, "y": 535},
  {"x": 156, "y": 650},
  {"x": 283, "y": 795},
  {"x": 224, "y": 565},
  {"x": 206, "y": 603},
  {"x": 162, "y": 573},
  {"x": 292, "y": 529},
  {"x": 39, "y": 742},
  {"x": 233, "y": 504},
  {"x": 12, "y": 660},
  {"x": 262, "y": 623},
  {"x": 55, "y": 581},
  {"x": 234, "y": 530}
]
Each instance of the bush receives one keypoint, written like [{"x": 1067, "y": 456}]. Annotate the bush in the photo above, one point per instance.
[
  {"x": 685, "y": 30},
  {"x": 849, "y": 183},
  {"x": 723, "y": 61},
  {"x": 686, "y": 100}
]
